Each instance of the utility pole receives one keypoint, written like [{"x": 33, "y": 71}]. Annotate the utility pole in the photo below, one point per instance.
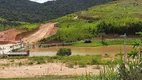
[{"x": 125, "y": 54}]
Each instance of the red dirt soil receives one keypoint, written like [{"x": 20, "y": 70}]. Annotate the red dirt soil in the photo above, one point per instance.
[
  {"x": 8, "y": 36},
  {"x": 52, "y": 32},
  {"x": 44, "y": 31},
  {"x": 13, "y": 35}
]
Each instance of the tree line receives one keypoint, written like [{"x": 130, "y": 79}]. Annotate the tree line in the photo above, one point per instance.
[{"x": 27, "y": 11}]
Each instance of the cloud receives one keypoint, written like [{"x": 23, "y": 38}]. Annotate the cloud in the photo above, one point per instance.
[{"x": 40, "y": 1}]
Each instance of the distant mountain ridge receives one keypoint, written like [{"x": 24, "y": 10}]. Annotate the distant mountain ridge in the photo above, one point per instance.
[{"x": 28, "y": 11}]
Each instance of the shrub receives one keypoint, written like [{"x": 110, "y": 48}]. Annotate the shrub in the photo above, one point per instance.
[
  {"x": 88, "y": 41},
  {"x": 20, "y": 64},
  {"x": 30, "y": 63},
  {"x": 64, "y": 52},
  {"x": 82, "y": 64},
  {"x": 96, "y": 59},
  {"x": 70, "y": 65}
]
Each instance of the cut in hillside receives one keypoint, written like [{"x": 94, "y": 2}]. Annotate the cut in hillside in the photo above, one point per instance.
[
  {"x": 117, "y": 17},
  {"x": 9, "y": 36},
  {"x": 45, "y": 30},
  {"x": 30, "y": 36},
  {"x": 11, "y": 29}
]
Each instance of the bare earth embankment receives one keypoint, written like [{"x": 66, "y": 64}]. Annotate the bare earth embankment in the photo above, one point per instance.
[
  {"x": 44, "y": 31},
  {"x": 8, "y": 36}
]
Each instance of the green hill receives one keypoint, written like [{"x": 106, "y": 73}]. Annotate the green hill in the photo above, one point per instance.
[
  {"x": 117, "y": 17},
  {"x": 27, "y": 11},
  {"x": 27, "y": 14},
  {"x": 5, "y": 24}
]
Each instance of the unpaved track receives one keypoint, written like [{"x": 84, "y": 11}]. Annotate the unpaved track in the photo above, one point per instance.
[
  {"x": 45, "y": 69},
  {"x": 44, "y": 31}
]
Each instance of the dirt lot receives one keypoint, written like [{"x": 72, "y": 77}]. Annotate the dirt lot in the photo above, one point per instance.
[{"x": 45, "y": 69}]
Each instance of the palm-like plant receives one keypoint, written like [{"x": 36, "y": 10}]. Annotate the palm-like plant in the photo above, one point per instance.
[{"x": 133, "y": 54}]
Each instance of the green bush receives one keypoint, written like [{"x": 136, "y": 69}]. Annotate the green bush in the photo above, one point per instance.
[
  {"x": 64, "y": 52},
  {"x": 87, "y": 41}
]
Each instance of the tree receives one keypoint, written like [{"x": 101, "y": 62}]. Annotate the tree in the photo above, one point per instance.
[
  {"x": 64, "y": 52},
  {"x": 102, "y": 35}
]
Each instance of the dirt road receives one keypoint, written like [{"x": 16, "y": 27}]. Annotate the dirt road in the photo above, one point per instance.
[
  {"x": 44, "y": 31},
  {"x": 45, "y": 69}
]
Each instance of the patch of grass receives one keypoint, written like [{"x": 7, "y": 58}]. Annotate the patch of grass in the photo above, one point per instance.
[
  {"x": 16, "y": 57},
  {"x": 71, "y": 60},
  {"x": 29, "y": 27},
  {"x": 96, "y": 43},
  {"x": 106, "y": 56},
  {"x": 38, "y": 60},
  {"x": 82, "y": 65},
  {"x": 70, "y": 65},
  {"x": 68, "y": 60},
  {"x": 30, "y": 63},
  {"x": 50, "y": 77},
  {"x": 5, "y": 65}
]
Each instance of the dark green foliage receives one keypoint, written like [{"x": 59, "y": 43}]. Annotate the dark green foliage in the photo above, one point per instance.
[
  {"x": 87, "y": 41},
  {"x": 133, "y": 54},
  {"x": 119, "y": 26},
  {"x": 27, "y": 11},
  {"x": 64, "y": 52},
  {"x": 5, "y": 24},
  {"x": 96, "y": 60},
  {"x": 38, "y": 60}
]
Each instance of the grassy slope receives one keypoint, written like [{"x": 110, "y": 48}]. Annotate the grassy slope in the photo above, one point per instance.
[
  {"x": 114, "y": 17},
  {"x": 5, "y": 24},
  {"x": 131, "y": 8}
]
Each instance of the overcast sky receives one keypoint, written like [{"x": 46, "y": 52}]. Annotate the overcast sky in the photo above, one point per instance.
[{"x": 40, "y": 1}]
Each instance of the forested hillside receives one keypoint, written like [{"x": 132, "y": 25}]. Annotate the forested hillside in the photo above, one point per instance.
[
  {"x": 117, "y": 17},
  {"x": 27, "y": 11},
  {"x": 5, "y": 24}
]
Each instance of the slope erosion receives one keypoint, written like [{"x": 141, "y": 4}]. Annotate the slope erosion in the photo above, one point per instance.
[{"x": 44, "y": 31}]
